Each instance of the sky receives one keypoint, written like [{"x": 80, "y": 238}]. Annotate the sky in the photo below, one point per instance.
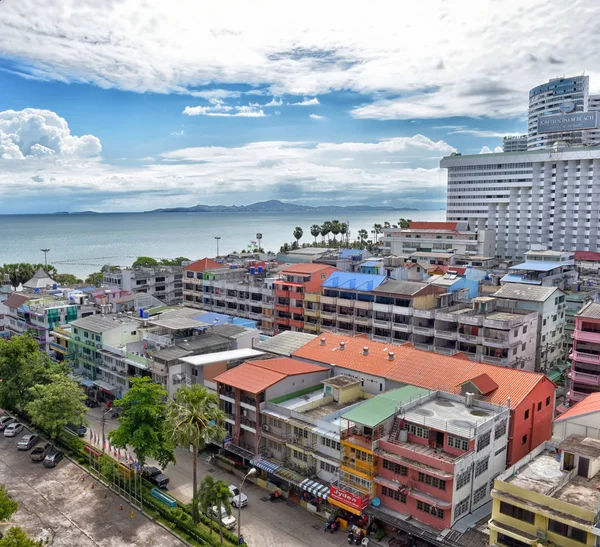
[{"x": 132, "y": 105}]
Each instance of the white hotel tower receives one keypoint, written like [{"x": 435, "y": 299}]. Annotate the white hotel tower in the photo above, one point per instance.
[{"x": 548, "y": 195}]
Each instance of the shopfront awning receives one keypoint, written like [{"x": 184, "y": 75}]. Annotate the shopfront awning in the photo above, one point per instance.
[
  {"x": 239, "y": 451},
  {"x": 105, "y": 386},
  {"x": 315, "y": 488},
  {"x": 82, "y": 380},
  {"x": 266, "y": 465},
  {"x": 289, "y": 476}
]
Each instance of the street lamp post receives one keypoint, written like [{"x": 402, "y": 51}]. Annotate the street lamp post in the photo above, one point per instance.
[
  {"x": 251, "y": 472},
  {"x": 45, "y": 251},
  {"x": 217, "y": 238}
]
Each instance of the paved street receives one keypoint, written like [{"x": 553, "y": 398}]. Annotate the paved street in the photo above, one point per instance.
[
  {"x": 264, "y": 524},
  {"x": 56, "y": 504}
]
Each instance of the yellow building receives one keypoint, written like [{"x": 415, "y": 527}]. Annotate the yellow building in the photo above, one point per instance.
[{"x": 550, "y": 497}]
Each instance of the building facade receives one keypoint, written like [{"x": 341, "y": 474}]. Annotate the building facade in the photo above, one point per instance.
[
  {"x": 535, "y": 197},
  {"x": 546, "y": 268},
  {"x": 516, "y": 143},
  {"x": 162, "y": 282},
  {"x": 585, "y": 367}
]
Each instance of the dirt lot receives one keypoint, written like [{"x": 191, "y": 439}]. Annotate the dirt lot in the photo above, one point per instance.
[{"x": 57, "y": 504}]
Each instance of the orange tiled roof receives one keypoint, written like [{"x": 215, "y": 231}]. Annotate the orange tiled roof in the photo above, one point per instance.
[
  {"x": 304, "y": 268},
  {"x": 256, "y": 376},
  {"x": 589, "y": 256},
  {"x": 425, "y": 225},
  {"x": 589, "y": 405},
  {"x": 203, "y": 264},
  {"x": 420, "y": 368},
  {"x": 483, "y": 383}
]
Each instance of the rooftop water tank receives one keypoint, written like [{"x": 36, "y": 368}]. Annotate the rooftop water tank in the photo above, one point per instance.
[
  {"x": 252, "y": 270},
  {"x": 260, "y": 269}
]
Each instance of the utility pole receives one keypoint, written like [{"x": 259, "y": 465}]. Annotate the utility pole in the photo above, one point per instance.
[
  {"x": 217, "y": 238},
  {"x": 45, "y": 251}
]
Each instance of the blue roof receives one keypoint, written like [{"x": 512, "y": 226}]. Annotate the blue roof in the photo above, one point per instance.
[
  {"x": 348, "y": 253},
  {"x": 353, "y": 281},
  {"x": 518, "y": 278},
  {"x": 372, "y": 264},
  {"x": 210, "y": 317},
  {"x": 537, "y": 266}
]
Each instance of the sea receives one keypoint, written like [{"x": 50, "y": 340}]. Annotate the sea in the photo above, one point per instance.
[{"x": 82, "y": 244}]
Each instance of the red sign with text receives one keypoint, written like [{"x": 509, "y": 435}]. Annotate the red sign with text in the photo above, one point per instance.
[{"x": 347, "y": 498}]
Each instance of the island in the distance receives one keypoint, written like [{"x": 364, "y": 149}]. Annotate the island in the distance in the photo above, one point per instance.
[{"x": 276, "y": 206}]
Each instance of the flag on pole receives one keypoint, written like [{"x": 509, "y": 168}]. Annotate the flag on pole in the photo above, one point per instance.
[{"x": 91, "y": 434}]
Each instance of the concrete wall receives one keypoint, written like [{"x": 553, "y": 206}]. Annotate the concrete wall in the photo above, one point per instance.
[
  {"x": 588, "y": 426},
  {"x": 370, "y": 384},
  {"x": 295, "y": 383}
]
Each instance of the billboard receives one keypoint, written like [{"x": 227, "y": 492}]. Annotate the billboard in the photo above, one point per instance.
[
  {"x": 348, "y": 499},
  {"x": 576, "y": 121}
]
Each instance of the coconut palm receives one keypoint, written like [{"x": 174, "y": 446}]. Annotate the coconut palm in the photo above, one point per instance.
[
  {"x": 315, "y": 230},
  {"x": 206, "y": 497},
  {"x": 222, "y": 497},
  {"x": 344, "y": 231},
  {"x": 194, "y": 419},
  {"x": 363, "y": 235},
  {"x": 325, "y": 229},
  {"x": 404, "y": 223},
  {"x": 335, "y": 229},
  {"x": 298, "y": 233}
]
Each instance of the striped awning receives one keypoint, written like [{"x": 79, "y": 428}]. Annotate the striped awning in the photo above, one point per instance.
[
  {"x": 315, "y": 488},
  {"x": 266, "y": 465}
]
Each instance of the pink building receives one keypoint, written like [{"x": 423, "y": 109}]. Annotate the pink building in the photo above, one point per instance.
[{"x": 585, "y": 368}]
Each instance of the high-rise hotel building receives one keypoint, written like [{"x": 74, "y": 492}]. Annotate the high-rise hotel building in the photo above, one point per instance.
[{"x": 549, "y": 194}]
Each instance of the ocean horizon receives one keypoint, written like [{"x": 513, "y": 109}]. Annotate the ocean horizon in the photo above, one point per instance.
[{"x": 82, "y": 243}]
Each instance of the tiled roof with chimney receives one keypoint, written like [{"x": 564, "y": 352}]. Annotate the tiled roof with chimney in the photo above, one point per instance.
[{"x": 202, "y": 265}]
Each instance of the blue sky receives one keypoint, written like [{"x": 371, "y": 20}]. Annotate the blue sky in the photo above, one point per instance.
[{"x": 120, "y": 108}]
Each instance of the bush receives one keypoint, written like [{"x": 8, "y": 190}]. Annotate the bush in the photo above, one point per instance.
[{"x": 380, "y": 534}]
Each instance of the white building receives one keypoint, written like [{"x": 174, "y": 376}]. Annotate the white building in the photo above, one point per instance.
[
  {"x": 549, "y": 303},
  {"x": 162, "y": 282},
  {"x": 546, "y": 268},
  {"x": 542, "y": 197},
  {"x": 457, "y": 237},
  {"x": 514, "y": 143},
  {"x": 558, "y": 96}
]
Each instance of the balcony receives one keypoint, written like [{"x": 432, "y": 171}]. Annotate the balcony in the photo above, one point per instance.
[
  {"x": 495, "y": 360},
  {"x": 425, "y": 331},
  {"x": 328, "y": 300},
  {"x": 469, "y": 338},
  {"x": 446, "y": 334},
  {"x": 312, "y": 297},
  {"x": 327, "y": 315},
  {"x": 584, "y": 378},
  {"x": 587, "y": 336},
  {"x": 362, "y": 320},
  {"x": 382, "y": 324},
  {"x": 475, "y": 320},
  {"x": 402, "y": 327},
  {"x": 364, "y": 468},
  {"x": 426, "y": 314},
  {"x": 496, "y": 341},
  {"x": 248, "y": 402},
  {"x": 358, "y": 440},
  {"x": 282, "y": 321},
  {"x": 424, "y": 347},
  {"x": 386, "y": 308},
  {"x": 403, "y": 310},
  {"x": 297, "y": 309},
  {"x": 312, "y": 327},
  {"x": 576, "y": 395},
  {"x": 363, "y": 305},
  {"x": 282, "y": 293},
  {"x": 586, "y": 357},
  {"x": 311, "y": 313},
  {"x": 445, "y": 351},
  {"x": 296, "y": 323},
  {"x": 282, "y": 307}
]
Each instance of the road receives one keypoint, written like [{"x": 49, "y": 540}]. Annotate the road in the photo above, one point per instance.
[
  {"x": 264, "y": 523},
  {"x": 56, "y": 504}
]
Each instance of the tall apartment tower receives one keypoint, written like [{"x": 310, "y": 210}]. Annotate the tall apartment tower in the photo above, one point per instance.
[
  {"x": 515, "y": 143},
  {"x": 558, "y": 96}
]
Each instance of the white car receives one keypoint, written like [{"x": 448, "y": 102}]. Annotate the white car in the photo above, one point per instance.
[
  {"x": 235, "y": 500},
  {"x": 12, "y": 430},
  {"x": 228, "y": 521}
]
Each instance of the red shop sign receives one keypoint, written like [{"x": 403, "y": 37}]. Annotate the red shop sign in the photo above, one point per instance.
[{"x": 356, "y": 502}]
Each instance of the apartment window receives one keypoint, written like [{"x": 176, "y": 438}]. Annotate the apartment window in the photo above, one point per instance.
[
  {"x": 516, "y": 332},
  {"x": 482, "y": 466},
  {"x": 479, "y": 494},
  {"x": 274, "y": 422},
  {"x": 523, "y": 347},
  {"x": 418, "y": 431},
  {"x": 525, "y": 329},
  {"x": 395, "y": 468},
  {"x": 515, "y": 350},
  {"x": 273, "y": 444},
  {"x": 299, "y": 455},
  {"x": 500, "y": 429},
  {"x": 328, "y": 467},
  {"x": 539, "y": 406},
  {"x": 547, "y": 401},
  {"x": 300, "y": 432},
  {"x": 195, "y": 372},
  {"x": 394, "y": 494},
  {"x": 426, "y": 508},
  {"x": 463, "y": 479},
  {"x": 524, "y": 439},
  {"x": 544, "y": 322},
  {"x": 567, "y": 531},
  {"x": 527, "y": 414},
  {"x": 484, "y": 440},
  {"x": 457, "y": 442},
  {"x": 330, "y": 443},
  {"x": 86, "y": 334},
  {"x": 516, "y": 512},
  {"x": 363, "y": 456},
  {"x": 432, "y": 481},
  {"x": 461, "y": 507},
  {"x": 509, "y": 541}
]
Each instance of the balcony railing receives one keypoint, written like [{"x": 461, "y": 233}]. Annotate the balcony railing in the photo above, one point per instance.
[
  {"x": 587, "y": 336},
  {"x": 584, "y": 378},
  {"x": 579, "y": 355}
]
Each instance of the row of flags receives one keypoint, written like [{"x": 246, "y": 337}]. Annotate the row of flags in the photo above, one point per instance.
[{"x": 116, "y": 452}]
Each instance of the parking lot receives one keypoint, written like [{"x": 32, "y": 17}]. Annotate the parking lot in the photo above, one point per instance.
[{"x": 57, "y": 504}]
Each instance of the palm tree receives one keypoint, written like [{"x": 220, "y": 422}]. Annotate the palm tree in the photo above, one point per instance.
[
  {"x": 363, "y": 235},
  {"x": 325, "y": 229},
  {"x": 344, "y": 231},
  {"x": 194, "y": 419},
  {"x": 335, "y": 229},
  {"x": 404, "y": 223},
  {"x": 315, "y": 230},
  {"x": 222, "y": 496},
  {"x": 386, "y": 225},
  {"x": 206, "y": 497},
  {"x": 298, "y": 233}
]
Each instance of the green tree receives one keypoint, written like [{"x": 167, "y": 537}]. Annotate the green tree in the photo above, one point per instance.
[
  {"x": 145, "y": 262},
  {"x": 23, "y": 366},
  {"x": 7, "y": 505},
  {"x": 404, "y": 223},
  {"x": 335, "y": 229},
  {"x": 325, "y": 229},
  {"x": 298, "y": 233},
  {"x": 386, "y": 225},
  {"x": 315, "y": 231},
  {"x": 363, "y": 235},
  {"x": 142, "y": 422},
  {"x": 205, "y": 497},
  {"x": 194, "y": 419},
  {"x": 174, "y": 261},
  {"x": 57, "y": 403},
  {"x": 344, "y": 231},
  {"x": 22, "y": 272},
  {"x": 95, "y": 279},
  {"x": 16, "y": 537},
  {"x": 222, "y": 496},
  {"x": 67, "y": 279}
]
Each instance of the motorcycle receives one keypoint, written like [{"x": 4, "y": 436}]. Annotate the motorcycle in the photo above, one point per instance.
[
  {"x": 327, "y": 525},
  {"x": 350, "y": 537},
  {"x": 358, "y": 538},
  {"x": 114, "y": 415},
  {"x": 334, "y": 526}
]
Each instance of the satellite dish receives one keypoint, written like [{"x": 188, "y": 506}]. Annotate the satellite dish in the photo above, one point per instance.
[{"x": 376, "y": 502}]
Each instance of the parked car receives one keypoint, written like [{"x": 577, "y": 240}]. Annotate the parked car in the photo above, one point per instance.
[
  {"x": 155, "y": 476},
  {"x": 27, "y": 442},
  {"x": 228, "y": 521},
  {"x": 40, "y": 452},
  {"x": 5, "y": 421},
  {"x": 12, "y": 430},
  {"x": 53, "y": 457},
  {"x": 79, "y": 430},
  {"x": 235, "y": 500}
]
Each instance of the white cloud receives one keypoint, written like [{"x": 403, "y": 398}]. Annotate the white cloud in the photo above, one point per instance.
[
  {"x": 177, "y": 133},
  {"x": 33, "y": 133},
  {"x": 216, "y": 94},
  {"x": 483, "y": 133},
  {"x": 306, "y": 102},
  {"x": 488, "y": 150},
  {"x": 316, "y": 117},
  {"x": 363, "y": 51},
  {"x": 219, "y": 108},
  {"x": 274, "y": 102}
]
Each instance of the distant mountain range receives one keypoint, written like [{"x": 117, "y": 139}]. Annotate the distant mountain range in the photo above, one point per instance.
[{"x": 276, "y": 206}]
